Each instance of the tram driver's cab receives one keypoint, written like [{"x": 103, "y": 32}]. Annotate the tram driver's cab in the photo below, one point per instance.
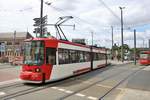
[{"x": 38, "y": 61}]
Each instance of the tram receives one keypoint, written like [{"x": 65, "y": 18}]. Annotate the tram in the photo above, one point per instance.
[
  {"x": 51, "y": 59},
  {"x": 144, "y": 58}
]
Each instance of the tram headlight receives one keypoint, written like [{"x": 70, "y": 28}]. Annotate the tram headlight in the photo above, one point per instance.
[{"x": 37, "y": 70}]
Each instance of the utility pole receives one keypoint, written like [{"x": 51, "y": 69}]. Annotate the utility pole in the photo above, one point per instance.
[
  {"x": 134, "y": 47},
  {"x": 143, "y": 43},
  {"x": 122, "y": 51},
  {"x": 149, "y": 43},
  {"x": 112, "y": 52},
  {"x": 14, "y": 40},
  {"x": 92, "y": 51},
  {"x": 92, "y": 37},
  {"x": 41, "y": 20}
]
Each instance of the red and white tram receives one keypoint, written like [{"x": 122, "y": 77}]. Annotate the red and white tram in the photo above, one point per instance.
[
  {"x": 144, "y": 58},
  {"x": 50, "y": 59}
]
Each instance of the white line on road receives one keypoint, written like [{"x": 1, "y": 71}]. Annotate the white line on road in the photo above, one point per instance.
[
  {"x": 79, "y": 94},
  {"x": 62, "y": 90},
  {"x": 12, "y": 99},
  {"x": 69, "y": 91},
  {"x": 2, "y": 93},
  {"x": 92, "y": 98},
  {"x": 54, "y": 87}
]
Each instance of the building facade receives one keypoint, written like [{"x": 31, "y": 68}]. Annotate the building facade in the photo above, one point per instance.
[{"x": 11, "y": 44}]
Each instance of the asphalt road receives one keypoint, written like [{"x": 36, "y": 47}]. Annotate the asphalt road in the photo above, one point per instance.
[
  {"x": 121, "y": 82},
  {"x": 8, "y": 72}
]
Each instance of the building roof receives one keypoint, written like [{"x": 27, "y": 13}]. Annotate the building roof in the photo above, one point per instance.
[{"x": 10, "y": 35}]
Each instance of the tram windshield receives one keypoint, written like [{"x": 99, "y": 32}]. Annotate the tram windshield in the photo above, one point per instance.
[
  {"x": 144, "y": 56},
  {"x": 34, "y": 53}
]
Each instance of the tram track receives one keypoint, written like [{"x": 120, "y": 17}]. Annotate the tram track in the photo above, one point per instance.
[
  {"x": 109, "y": 77},
  {"x": 8, "y": 86},
  {"x": 120, "y": 82},
  {"x": 29, "y": 90},
  {"x": 42, "y": 87}
]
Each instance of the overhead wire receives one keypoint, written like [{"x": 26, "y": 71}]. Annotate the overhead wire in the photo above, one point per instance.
[{"x": 110, "y": 10}]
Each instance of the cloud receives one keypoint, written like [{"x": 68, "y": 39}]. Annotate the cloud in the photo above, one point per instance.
[{"x": 88, "y": 16}]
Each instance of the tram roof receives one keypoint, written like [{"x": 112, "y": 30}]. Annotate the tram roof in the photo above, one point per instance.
[{"x": 62, "y": 41}]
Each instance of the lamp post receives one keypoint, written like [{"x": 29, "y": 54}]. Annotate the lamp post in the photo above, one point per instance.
[
  {"x": 112, "y": 52},
  {"x": 92, "y": 51},
  {"x": 134, "y": 47},
  {"x": 41, "y": 19},
  {"x": 122, "y": 51}
]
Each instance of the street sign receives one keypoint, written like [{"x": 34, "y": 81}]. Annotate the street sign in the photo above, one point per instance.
[
  {"x": 38, "y": 21},
  {"x": 38, "y": 30}
]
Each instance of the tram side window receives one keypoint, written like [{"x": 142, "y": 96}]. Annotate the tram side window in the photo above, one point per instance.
[
  {"x": 87, "y": 56},
  {"x": 63, "y": 56},
  {"x": 66, "y": 56},
  {"x": 81, "y": 56},
  {"x": 100, "y": 56},
  {"x": 103, "y": 57},
  {"x": 50, "y": 56},
  {"x": 74, "y": 56},
  {"x": 96, "y": 57}
]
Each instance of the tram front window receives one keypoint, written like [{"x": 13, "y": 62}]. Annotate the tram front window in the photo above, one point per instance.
[
  {"x": 144, "y": 56},
  {"x": 34, "y": 53}
]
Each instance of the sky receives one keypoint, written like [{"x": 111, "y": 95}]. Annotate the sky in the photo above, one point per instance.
[{"x": 95, "y": 16}]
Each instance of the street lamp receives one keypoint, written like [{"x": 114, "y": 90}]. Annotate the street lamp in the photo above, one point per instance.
[
  {"x": 122, "y": 52},
  {"x": 112, "y": 52},
  {"x": 41, "y": 19}
]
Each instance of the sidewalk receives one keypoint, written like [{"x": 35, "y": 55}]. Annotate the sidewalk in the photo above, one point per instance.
[{"x": 116, "y": 62}]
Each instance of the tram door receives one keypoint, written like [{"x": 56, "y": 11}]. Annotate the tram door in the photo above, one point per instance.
[{"x": 50, "y": 56}]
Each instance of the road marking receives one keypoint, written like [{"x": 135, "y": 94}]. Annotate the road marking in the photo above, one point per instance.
[
  {"x": 79, "y": 94},
  {"x": 147, "y": 68},
  {"x": 12, "y": 99},
  {"x": 92, "y": 98},
  {"x": 62, "y": 90},
  {"x": 2, "y": 93},
  {"x": 10, "y": 81},
  {"x": 54, "y": 87},
  {"x": 69, "y": 91}
]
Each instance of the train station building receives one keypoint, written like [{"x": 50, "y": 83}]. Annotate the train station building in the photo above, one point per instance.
[{"x": 11, "y": 44}]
